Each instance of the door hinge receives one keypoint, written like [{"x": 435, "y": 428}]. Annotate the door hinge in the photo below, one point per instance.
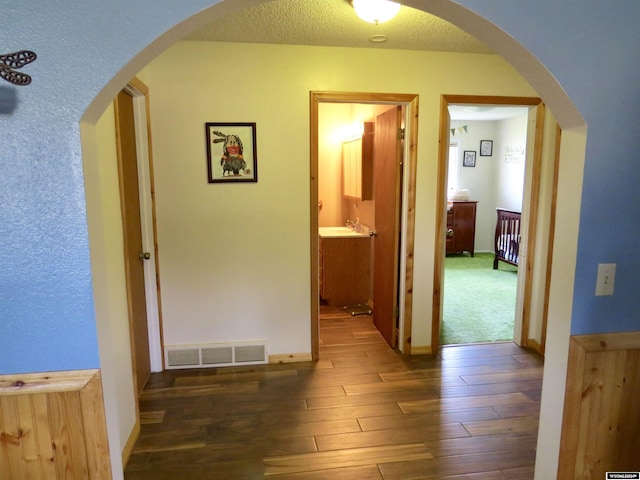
[
  {"x": 396, "y": 312},
  {"x": 401, "y": 134}
]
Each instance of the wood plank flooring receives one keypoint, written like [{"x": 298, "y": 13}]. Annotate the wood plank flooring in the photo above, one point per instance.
[{"x": 363, "y": 412}]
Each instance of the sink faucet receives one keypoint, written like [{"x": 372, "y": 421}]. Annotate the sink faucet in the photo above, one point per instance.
[{"x": 355, "y": 224}]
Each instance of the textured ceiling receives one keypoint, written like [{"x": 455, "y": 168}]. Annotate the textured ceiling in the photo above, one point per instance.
[{"x": 334, "y": 23}]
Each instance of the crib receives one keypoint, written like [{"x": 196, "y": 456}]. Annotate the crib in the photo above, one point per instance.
[{"x": 507, "y": 239}]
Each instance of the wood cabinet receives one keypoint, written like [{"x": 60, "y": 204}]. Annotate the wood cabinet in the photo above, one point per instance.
[
  {"x": 345, "y": 270},
  {"x": 461, "y": 227},
  {"x": 357, "y": 165}
]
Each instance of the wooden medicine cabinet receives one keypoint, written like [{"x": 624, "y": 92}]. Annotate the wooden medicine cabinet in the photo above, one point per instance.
[{"x": 357, "y": 165}]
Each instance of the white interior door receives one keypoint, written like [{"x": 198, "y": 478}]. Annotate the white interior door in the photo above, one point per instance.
[{"x": 140, "y": 100}]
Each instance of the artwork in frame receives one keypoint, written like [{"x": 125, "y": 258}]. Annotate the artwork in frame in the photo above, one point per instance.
[
  {"x": 231, "y": 152},
  {"x": 469, "y": 158},
  {"x": 486, "y": 148}
]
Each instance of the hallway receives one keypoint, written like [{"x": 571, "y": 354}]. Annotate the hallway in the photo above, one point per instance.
[{"x": 362, "y": 412}]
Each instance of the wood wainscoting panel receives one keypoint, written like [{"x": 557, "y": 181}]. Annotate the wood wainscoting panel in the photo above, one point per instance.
[
  {"x": 601, "y": 423},
  {"x": 53, "y": 426}
]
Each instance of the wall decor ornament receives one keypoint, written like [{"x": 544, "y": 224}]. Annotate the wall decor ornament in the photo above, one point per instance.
[
  {"x": 486, "y": 148},
  {"x": 231, "y": 152},
  {"x": 469, "y": 158},
  {"x": 11, "y": 62}
]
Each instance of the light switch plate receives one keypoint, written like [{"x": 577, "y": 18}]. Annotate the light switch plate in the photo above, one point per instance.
[{"x": 606, "y": 279}]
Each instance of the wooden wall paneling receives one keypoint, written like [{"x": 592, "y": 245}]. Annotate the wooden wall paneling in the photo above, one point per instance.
[
  {"x": 44, "y": 444},
  {"x": 601, "y": 424},
  {"x": 95, "y": 437},
  {"x": 627, "y": 452},
  {"x": 52, "y": 425},
  {"x": 67, "y": 434},
  {"x": 12, "y": 464}
]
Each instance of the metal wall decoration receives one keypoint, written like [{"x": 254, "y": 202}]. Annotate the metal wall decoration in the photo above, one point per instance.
[{"x": 11, "y": 62}]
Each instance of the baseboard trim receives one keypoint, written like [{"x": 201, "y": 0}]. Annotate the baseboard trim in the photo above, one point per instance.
[
  {"x": 290, "y": 357},
  {"x": 425, "y": 350},
  {"x": 131, "y": 441},
  {"x": 533, "y": 344}
]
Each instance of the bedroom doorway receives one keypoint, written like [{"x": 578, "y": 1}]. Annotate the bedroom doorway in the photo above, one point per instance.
[
  {"x": 470, "y": 157},
  {"x": 486, "y": 166}
]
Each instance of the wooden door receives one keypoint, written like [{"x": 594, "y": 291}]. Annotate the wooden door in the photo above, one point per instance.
[
  {"x": 387, "y": 168},
  {"x": 132, "y": 230}
]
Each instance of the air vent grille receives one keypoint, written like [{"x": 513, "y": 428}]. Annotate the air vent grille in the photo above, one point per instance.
[
  {"x": 215, "y": 355},
  {"x": 249, "y": 353},
  {"x": 183, "y": 357}
]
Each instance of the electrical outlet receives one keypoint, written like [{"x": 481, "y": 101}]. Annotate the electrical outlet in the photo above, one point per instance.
[{"x": 606, "y": 279}]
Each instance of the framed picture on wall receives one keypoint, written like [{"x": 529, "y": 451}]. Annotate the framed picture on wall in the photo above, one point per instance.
[
  {"x": 231, "y": 152},
  {"x": 469, "y": 158},
  {"x": 486, "y": 148}
]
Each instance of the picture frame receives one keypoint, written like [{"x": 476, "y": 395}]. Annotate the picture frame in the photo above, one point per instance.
[
  {"x": 231, "y": 152},
  {"x": 486, "y": 148},
  {"x": 469, "y": 158}
]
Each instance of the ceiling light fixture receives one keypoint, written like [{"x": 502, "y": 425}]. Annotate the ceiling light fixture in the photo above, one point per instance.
[{"x": 375, "y": 11}]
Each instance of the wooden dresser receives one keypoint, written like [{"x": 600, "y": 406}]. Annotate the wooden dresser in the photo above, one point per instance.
[{"x": 461, "y": 227}]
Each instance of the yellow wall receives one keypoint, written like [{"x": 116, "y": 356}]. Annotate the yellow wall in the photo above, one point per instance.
[
  {"x": 235, "y": 258},
  {"x": 335, "y": 124},
  {"x": 332, "y": 118}
]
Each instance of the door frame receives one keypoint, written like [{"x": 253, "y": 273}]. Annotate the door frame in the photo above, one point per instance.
[
  {"x": 532, "y": 200},
  {"x": 407, "y": 212},
  {"x": 142, "y": 118}
]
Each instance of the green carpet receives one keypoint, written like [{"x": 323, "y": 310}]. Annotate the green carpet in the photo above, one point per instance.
[{"x": 479, "y": 302}]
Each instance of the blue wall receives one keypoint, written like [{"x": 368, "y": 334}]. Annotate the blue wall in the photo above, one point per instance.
[
  {"x": 47, "y": 319},
  {"x": 46, "y": 310}
]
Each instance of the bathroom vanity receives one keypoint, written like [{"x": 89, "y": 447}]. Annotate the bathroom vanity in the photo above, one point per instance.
[{"x": 345, "y": 266}]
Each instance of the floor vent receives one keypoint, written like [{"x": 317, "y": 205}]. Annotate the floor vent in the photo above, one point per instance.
[{"x": 215, "y": 355}]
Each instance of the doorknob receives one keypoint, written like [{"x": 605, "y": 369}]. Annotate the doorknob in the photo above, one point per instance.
[
  {"x": 373, "y": 233},
  {"x": 144, "y": 255}
]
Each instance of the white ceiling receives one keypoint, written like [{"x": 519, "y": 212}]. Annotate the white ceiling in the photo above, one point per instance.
[
  {"x": 334, "y": 23},
  {"x": 484, "y": 112}
]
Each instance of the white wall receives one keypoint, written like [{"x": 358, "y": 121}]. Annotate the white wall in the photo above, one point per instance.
[
  {"x": 481, "y": 180},
  {"x": 509, "y": 156},
  {"x": 496, "y": 181},
  {"x": 234, "y": 259},
  {"x": 105, "y": 231}
]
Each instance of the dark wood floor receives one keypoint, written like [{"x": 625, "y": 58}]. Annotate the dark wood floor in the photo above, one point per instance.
[{"x": 362, "y": 412}]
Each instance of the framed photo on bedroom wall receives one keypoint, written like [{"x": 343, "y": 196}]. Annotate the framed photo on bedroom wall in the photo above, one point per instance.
[
  {"x": 231, "y": 152},
  {"x": 469, "y": 158},
  {"x": 486, "y": 148}
]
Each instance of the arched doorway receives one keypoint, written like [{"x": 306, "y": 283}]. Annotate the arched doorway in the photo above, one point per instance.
[{"x": 453, "y": 14}]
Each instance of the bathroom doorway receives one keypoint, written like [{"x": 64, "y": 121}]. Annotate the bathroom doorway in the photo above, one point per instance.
[{"x": 394, "y": 318}]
